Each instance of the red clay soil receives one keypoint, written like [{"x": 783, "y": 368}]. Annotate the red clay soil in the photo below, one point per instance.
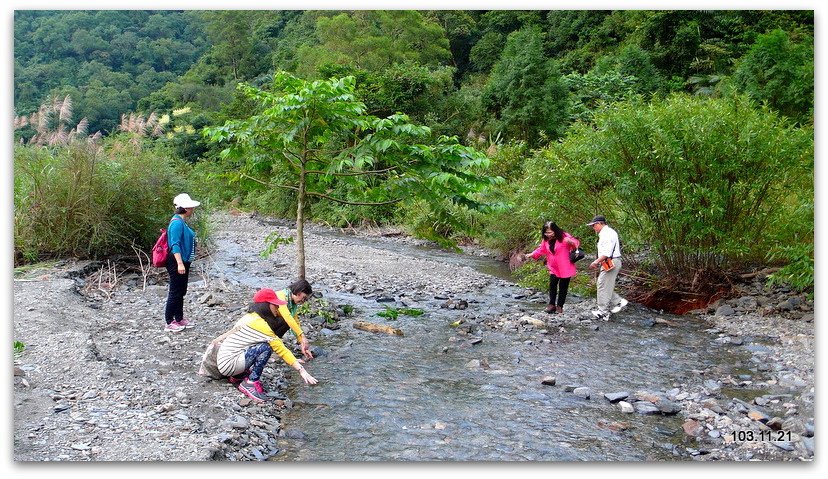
[{"x": 677, "y": 302}]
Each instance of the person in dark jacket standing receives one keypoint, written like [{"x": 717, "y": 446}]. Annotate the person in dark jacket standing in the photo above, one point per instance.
[{"x": 181, "y": 240}]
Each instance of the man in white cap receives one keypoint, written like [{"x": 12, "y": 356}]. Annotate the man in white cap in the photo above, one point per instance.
[{"x": 609, "y": 248}]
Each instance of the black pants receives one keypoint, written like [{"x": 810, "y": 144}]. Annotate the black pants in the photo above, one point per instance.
[
  {"x": 554, "y": 282},
  {"x": 178, "y": 288}
]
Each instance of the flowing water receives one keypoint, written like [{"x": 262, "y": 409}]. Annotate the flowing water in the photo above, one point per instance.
[{"x": 417, "y": 397}]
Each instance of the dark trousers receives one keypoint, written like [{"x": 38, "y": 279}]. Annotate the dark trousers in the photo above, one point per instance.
[
  {"x": 178, "y": 288},
  {"x": 554, "y": 284},
  {"x": 255, "y": 359}
]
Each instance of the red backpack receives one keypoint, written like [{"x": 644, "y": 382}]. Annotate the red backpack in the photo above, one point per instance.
[{"x": 161, "y": 249}]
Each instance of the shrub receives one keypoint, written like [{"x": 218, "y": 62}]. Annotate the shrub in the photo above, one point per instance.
[
  {"x": 709, "y": 184},
  {"x": 90, "y": 202}
]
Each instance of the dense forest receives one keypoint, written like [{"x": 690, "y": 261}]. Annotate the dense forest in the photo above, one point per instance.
[{"x": 691, "y": 130}]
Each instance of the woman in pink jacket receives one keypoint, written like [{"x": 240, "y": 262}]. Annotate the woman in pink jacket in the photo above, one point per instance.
[{"x": 555, "y": 246}]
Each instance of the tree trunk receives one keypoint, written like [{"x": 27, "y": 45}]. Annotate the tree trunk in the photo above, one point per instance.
[{"x": 300, "y": 220}]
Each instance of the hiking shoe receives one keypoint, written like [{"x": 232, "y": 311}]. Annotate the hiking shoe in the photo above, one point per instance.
[
  {"x": 187, "y": 324},
  {"x": 174, "y": 327},
  {"x": 253, "y": 390},
  {"x": 550, "y": 308},
  {"x": 601, "y": 315},
  {"x": 620, "y": 306}
]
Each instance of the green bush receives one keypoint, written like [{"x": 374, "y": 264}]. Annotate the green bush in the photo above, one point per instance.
[
  {"x": 90, "y": 202},
  {"x": 707, "y": 184},
  {"x": 780, "y": 71}
]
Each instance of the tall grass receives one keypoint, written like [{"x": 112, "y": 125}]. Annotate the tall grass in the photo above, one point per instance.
[{"x": 89, "y": 202}]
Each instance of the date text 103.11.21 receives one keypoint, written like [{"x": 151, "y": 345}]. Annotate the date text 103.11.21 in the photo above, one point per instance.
[{"x": 750, "y": 436}]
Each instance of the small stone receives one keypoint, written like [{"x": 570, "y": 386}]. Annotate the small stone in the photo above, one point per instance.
[
  {"x": 582, "y": 392},
  {"x": 784, "y": 445},
  {"x": 667, "y": 407},
  {"x": 692, "y": 427},
  {"x": 549, "y": 380},
  {"x": 646, "y": 407},
  {"x": 725, "y": 310},
  {"x": 757, "y": 415},
  {"x": 615, "y": 397},
  {"x": 626, "y": 407},
  {"x": 775, "y": 423}
]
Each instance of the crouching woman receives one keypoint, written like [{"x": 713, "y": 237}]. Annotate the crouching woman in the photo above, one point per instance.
[{"x": 242, "y": 353}]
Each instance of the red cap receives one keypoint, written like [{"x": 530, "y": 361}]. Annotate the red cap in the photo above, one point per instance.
[{"x": 267, "y": 296}]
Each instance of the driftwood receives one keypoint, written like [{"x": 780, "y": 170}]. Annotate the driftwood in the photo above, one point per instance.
[
  {"x": 764, "y": 271},
  {"x": 377, "y": 328}
]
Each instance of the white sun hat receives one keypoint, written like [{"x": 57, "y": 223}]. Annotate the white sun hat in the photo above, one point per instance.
[{"x": 184, "y": 201}]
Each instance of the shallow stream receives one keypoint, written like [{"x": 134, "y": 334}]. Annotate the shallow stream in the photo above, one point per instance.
[{"x": 421, "y": 397}]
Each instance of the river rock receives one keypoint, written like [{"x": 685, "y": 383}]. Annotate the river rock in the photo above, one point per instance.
[
  {"x": 646, "y": 407},
  {"x": 548, "y": 380},
  {"x": 626, "y": 407},
  {"x": 667, "y": 407},
  {"x": 757, "y": 415},
  {"x": 236, "y": 422},
  {"x": 784, "y": 445},
  {"x": 533, "y": 321},
  {"x": 582, "y": 392},
  {"x": 775, "y": 423},
  {"x": 297, "y": 434},
  {"x": 692, "y": 427},
  {"x": 615, "y": 397},
  {"x": 785, "y": 305},
  {"x": 725, "y": 310}
]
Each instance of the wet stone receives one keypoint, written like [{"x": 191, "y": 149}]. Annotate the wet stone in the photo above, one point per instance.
[
  {"x": 548, "y": 380},
  {"x": 667, "y": 407},
  {"x": 646, "y": 407},
  {"x": 582, "y": 392},
  {"x": 615, "y": 397}
]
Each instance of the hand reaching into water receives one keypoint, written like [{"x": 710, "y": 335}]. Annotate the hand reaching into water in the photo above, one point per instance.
[
  {"x": 302, "y": 372},
  {"x": 307, "y": 377},
  {"x": 306, "y": 349}
]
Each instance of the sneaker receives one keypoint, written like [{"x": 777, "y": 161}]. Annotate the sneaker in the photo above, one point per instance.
[
  {"x": 174, "y": 327},
  {"x": 620, "y": 306},
  {"x": 253, "y": 390},
  {"x": 238, "y": 377},
  {"x": 187, "y": 324}
]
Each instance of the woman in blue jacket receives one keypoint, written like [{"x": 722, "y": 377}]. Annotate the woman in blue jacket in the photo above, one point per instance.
[{"x": 182, "y": 242}]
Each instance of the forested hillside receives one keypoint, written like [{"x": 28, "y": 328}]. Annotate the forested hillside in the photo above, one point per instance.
[{"x": 577, "y": 111}]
